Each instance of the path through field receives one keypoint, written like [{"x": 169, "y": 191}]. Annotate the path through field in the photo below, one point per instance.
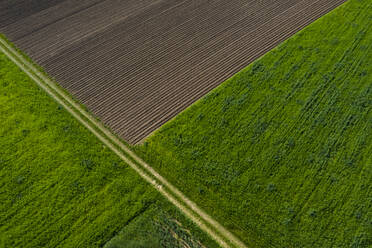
[{"x": 189, "y": 208}]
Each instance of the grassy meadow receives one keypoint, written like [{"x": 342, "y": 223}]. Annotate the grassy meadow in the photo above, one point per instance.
[
  {"x": 281, "y": 153},
  {"x": 60, "y": 187}
]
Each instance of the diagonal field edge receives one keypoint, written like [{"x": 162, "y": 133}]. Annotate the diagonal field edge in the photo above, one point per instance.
[{"x": 198, "y": 216}]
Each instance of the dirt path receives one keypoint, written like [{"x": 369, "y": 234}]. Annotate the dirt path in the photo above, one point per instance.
[{"x": 221, "y": 235}]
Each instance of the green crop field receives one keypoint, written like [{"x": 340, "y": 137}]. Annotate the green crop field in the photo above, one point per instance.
[
  {"x": 60, "y": 187},
  {"x": 281, "y": 154}
]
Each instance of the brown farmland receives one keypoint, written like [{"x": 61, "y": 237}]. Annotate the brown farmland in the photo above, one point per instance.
[{"x": 138, "y": 63}]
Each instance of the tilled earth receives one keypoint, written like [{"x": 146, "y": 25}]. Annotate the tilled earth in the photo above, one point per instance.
[{"x": 137, "y": 63}]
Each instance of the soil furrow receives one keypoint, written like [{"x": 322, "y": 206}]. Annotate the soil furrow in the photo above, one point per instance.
[{"x": 138, "y": 63}]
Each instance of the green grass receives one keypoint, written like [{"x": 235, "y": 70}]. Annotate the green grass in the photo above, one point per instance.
[
  {"x": 60, "y": 187},
  {"x": 281, "y": 153}
]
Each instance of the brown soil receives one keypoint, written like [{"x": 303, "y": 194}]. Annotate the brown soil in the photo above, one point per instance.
[{"x": 138, "y": 63}]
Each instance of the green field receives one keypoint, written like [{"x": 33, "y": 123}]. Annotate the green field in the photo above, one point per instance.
[
  {"x": 60, "y": 187},
  {"x": 281, "y": 153}
]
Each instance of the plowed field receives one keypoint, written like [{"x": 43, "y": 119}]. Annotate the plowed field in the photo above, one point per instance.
[{"x": 136, "y": 64}]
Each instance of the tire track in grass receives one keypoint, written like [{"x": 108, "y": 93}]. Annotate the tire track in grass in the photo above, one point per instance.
[{"x": 205, "y": 222}]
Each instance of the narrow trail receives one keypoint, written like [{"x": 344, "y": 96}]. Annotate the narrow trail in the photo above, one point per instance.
[{"x": 205, "y": 222}]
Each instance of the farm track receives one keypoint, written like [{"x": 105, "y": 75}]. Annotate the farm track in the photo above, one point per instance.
[
  {"x": 136, "y": 64},
  {"x": 206, "y": 223}
]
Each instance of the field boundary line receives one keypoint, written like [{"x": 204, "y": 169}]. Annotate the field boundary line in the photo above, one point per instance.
[{"x": 205, "y": 222}]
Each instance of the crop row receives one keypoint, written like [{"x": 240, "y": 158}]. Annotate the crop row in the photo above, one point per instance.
[{"x": 138, "y": 64}]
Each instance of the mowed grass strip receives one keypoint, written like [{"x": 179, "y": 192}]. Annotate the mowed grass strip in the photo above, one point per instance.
[
  {"x": 60, "y": 187},
  {"x": 281, "y": 153}
]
